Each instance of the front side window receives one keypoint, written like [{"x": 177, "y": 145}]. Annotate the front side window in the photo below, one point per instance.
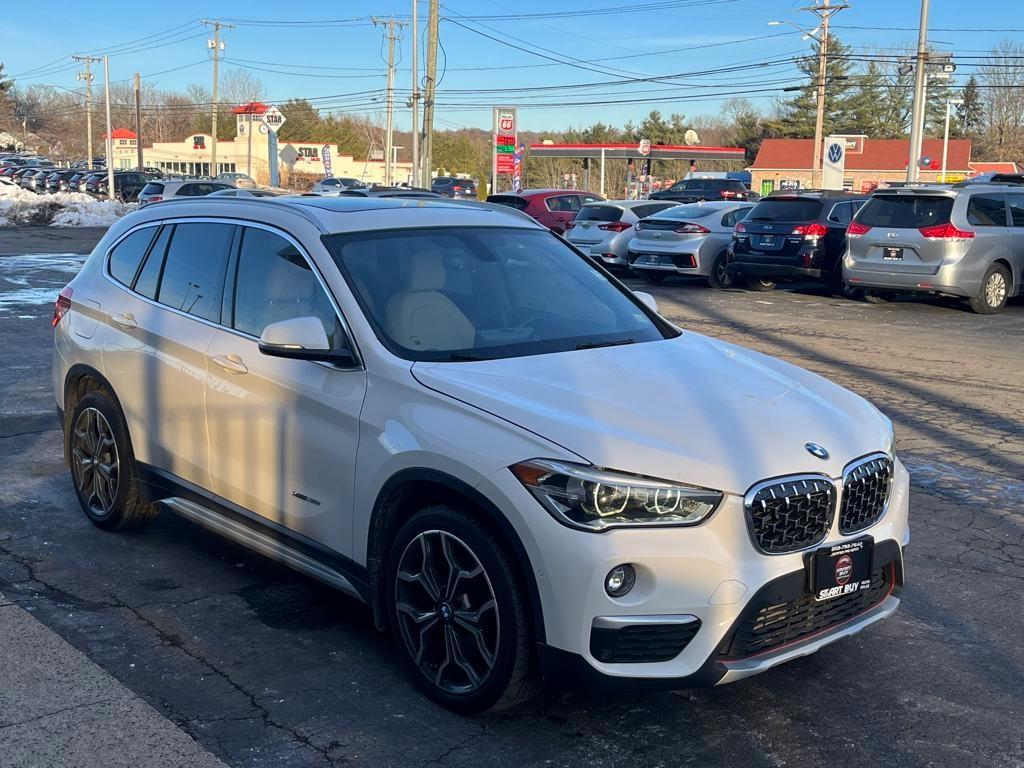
[
  {"x": 274, "y": 282},
  {"x": 193, "y": 273},
  {"x": 986, "y": 211},
  {"x": 454, "y": 294}
]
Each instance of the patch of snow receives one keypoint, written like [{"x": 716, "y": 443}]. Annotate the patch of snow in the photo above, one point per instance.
[
  {"x": 38, "y": 277},
  {"x": 20, "y": 207}
]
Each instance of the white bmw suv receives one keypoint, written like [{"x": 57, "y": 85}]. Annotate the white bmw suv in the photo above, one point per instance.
[{"x": 448, "y": 412}]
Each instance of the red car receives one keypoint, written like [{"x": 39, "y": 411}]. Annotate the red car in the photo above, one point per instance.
[{"x": 554, "y": 208}]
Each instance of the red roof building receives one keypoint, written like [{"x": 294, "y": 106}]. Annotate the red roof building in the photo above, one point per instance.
[
  {"x": 251, "y": 108},
  {"x": 995, "y": 167},
  {"x": 787, "y": 162},
  {"x": 122, "y": 133}
]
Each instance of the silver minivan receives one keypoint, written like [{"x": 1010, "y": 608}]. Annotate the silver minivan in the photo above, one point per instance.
[{"x": 958, "y": 241}]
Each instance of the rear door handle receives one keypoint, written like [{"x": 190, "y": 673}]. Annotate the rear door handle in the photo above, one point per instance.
[
  {"x": 231, "y": 363},
  {"x": 125, "y": 320}
]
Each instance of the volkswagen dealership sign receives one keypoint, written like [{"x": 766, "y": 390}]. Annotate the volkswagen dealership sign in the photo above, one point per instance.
[{"x": 834, "y": 162}]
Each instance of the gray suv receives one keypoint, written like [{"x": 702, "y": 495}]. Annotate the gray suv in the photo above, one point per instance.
[{"x": 966, "y": 242}]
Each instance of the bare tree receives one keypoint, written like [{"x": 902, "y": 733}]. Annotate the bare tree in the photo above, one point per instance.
[{"x": 1003, "y": 80}]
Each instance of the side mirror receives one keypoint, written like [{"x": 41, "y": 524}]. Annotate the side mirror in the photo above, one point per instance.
[
  {"x": 647, "y": 299},
  {"x": 301, "y": 338}
]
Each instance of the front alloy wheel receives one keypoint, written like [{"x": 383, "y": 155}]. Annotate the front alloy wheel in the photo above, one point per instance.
[
  {"x": 995, "y": 290},
  {"x": 447, "y": 612},
  {"x": 95, "y": 462}
]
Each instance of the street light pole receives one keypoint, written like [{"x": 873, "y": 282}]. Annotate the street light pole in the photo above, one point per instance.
[
  {"x": 920, "y": 74},
  {"x": 945, "y": 137},
  {"x": 415, "y": 180}
]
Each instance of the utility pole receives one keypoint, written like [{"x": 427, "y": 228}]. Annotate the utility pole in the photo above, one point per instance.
[
  {"x": 414, "y": 101},
  {"x": 824, "y": 10},
  {"x": 427, "y": 159},
  {"x": 217, "y": 47},
  {"x": 110, "y": 138},
  {"x": 87, "y": 77},
  {"x": 138, "y": 119},
  {"x": 389, "y": 130},
  {"x": 920, "y": 80}
]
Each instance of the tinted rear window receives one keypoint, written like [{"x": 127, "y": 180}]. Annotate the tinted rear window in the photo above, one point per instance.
[
  {"x": 599, "y": 213},
  {"x": 785, "y": 209},
  {"x": 685, "y": 212},
  {"x": 153, "y": 189},
  {"x": 905, "y": 211},
  {"x": 127, "y": 256},
  {"x": 719, "y": 184}
]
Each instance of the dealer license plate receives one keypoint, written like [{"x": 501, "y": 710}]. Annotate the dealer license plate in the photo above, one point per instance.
[
  {"x": 840, "y": 569},
  {"x": 892, "y": 254}
]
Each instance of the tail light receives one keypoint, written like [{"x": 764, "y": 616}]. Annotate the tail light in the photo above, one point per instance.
[
  {"x": 811, "y": 230},
  {"x": 691, "y": 229},
  {"x": 62, "y": 305},
  {"x": 614, "y": 226},
  {"x": 729, "y": 193},
  {"x": 569, "y": 225},
  {"x": 157, "y": 199},
  {"x": 856, "y": 229},
  {"x": 740, "y": 227},
  {"x": 946, "y": 232}
]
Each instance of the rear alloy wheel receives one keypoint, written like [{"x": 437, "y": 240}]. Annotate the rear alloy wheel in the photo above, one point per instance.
[
  {"x": 652, "y": 278},
  {"x": 720, "y": 276},
  {"x": 459, "y": 613},
  {"x": 995, "y": 290},
  {"x": 760, "y": 284}
]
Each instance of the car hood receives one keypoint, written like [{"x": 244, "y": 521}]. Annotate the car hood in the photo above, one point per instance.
[{"x": 691, "y": 409}]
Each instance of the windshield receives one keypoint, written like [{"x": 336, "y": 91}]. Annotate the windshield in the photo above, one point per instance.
[
  {"x": 468, "y": 293},
  {"x": 785, "y": 209},
  {"x": 684, "y": 212},
  {"x": 905, "y": 211}
]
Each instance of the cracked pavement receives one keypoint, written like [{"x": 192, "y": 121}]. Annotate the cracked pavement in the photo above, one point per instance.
[{"x": 262, "y": 666}]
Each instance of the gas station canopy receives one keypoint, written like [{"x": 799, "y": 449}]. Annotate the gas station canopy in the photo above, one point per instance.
[{"x": 632, "y": 151}]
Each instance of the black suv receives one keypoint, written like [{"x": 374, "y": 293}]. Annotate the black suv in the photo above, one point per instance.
[
  {"x": 695, "y": 190},
  {"x": 127, "y": 185},
  {"x": 794, "y": 235},
  {"x": 450, "y": 186}
]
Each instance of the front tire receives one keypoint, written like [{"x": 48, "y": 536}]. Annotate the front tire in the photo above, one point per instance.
[
  {"x": 458, "y": 612},
  {"x": 760, "y": 284},
  {"x": 995, "y": 290},
  {"x": 103, "y": 464}
]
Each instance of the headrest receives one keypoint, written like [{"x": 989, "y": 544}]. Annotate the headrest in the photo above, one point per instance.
[{"x": 423, "y": 271}]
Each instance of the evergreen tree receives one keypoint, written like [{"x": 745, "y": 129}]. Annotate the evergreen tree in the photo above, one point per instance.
[
  {"x": 970, "y": 115},
  {"x": 797, "y": 115}
]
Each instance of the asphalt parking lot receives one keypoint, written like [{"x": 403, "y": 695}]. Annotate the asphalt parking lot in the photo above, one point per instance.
[{"x": 265, "y": 667}]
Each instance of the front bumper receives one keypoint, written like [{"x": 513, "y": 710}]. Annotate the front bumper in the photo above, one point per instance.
[{"x": 710, "y": 572}]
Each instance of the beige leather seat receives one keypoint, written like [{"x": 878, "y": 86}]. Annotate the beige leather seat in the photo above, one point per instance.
[{"x": 420, "y": 316}]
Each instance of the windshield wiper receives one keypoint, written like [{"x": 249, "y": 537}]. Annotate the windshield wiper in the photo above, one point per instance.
[
  {"x": 760, "y": 218},
  {"x": 465, "y": 357},
  {"x": 596, "y": 344}
]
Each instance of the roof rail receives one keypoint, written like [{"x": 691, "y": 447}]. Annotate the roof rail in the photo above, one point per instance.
[{"x": 812, "y": 191}]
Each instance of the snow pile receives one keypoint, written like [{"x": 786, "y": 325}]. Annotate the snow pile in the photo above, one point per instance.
[{"x": 20, "y": 207}]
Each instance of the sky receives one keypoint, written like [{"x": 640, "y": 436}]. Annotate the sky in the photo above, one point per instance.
[{"x": 589, "y": 64}]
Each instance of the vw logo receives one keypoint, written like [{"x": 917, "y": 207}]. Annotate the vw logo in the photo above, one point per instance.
[
  {"x": 767, "y": 228},
  {"x": 891, "y": 235},
  {"x": 657, "y": 235},
  {"x": 835, "y": 152},
  {"x": 816, "y": 450}
]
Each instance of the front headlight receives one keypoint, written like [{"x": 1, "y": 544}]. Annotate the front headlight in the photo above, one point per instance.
[{"x": 595, "y": 499}]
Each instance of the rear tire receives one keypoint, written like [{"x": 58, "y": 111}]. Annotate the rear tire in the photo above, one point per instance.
[
  {"x": 874, "y": 297},
  {"x": 837, "y": 287},
  {"x": 994, "y": 291},
  {"x": 720, "y": 277},
  {"x": 760, "y": 284},
  {"x": 458, "y": 613},
  {"x": 102, "y": 463},
  {"x": 652, "y": 278}
]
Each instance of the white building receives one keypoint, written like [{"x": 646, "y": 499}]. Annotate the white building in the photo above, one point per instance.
[{"x": 248, "y": 153}]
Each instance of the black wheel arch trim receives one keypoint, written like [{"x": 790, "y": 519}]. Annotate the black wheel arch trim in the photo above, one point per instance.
[
  {"x": 377, "y": 541},
  {"x": 76, "y": 372}
]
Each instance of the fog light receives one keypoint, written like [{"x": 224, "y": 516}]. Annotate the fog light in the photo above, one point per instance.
[{"x": 620, "y": 580}]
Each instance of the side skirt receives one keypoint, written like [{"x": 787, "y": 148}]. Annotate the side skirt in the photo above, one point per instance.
[{"x": 254, "y": 532}]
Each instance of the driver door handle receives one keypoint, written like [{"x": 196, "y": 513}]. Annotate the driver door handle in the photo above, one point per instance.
[
  {"x": 231, "y": 363},
  {"x": 126, "y": 320}
]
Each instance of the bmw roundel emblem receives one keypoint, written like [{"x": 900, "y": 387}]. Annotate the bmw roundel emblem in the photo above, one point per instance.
[
  {"x": 835, "y": 152},
  {"x": 816, "y": 450}
]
